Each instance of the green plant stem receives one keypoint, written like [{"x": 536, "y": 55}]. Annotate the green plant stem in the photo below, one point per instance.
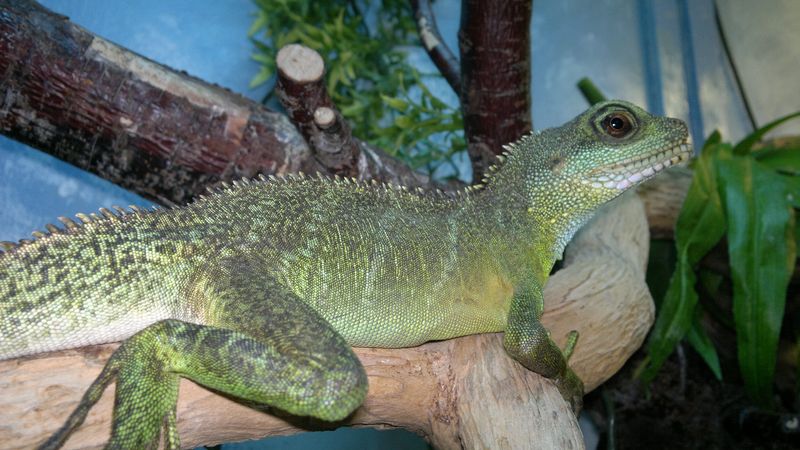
[{"x": 590, "y": 91}]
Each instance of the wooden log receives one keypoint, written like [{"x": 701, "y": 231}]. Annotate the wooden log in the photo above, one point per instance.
[
  {"x": 663, "y": 198},
  {"x": 161, "y": 133},
  {"x": 462, "y": 393}
]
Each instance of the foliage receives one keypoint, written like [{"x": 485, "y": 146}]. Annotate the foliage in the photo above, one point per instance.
[
  {"x": 366, "y": 72},
  {"x": 748, "y": 196}
]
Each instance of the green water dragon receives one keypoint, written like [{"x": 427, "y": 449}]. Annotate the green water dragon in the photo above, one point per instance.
[{"x": 260, "y": 289}]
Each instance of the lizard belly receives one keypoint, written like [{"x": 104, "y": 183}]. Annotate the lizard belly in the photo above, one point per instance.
[{"x": 412, "y": 314}]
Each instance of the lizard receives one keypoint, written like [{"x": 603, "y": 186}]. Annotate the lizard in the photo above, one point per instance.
[{"x": 259, "y": 289}]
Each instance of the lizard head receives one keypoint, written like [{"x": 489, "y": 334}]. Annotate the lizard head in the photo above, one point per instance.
[
  {"x": 568, "y": 172},
  {"x": 613, "y": 146}
]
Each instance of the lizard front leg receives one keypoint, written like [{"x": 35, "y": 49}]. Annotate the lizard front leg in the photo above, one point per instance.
[
  {"x": 262, "y": 344},
  {"x": 528, "y": 341}
]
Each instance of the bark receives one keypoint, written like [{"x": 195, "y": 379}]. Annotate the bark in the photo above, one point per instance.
[
  {"x": 161, "y": 133},
  {"x": 462, "y": 393},
  {"x": 494, "y": 41}
]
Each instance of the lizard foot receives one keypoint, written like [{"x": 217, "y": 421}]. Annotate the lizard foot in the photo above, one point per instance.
[{"x": 571, "y": 388}]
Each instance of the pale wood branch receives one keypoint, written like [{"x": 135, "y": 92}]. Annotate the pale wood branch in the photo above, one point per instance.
[{"x": 462, "y": 393}]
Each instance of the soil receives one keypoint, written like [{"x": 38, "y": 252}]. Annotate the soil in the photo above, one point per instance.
[{"x": 685, "y": 407}]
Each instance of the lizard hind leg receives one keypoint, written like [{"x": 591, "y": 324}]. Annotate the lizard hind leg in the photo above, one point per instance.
[
  {"x": 145, "y": 397},
  {"x": 148, "y": 367},
  {"x": 262, "y": 345}
]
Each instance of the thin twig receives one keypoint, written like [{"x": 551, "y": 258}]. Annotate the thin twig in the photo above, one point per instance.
[{"x": 432, "y": 40}]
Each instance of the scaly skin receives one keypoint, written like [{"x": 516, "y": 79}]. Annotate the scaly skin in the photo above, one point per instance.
[{"x": 259, "y": 290}]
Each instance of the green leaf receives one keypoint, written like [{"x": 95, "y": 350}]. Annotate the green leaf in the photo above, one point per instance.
[
  {"x": 792, "y": 185},
  {"x": 701, "y": 224},
  {"x": 702, "y": 344},
  {"x": 674, "y": 319},
  {"x": 403, "y": 122},
  {"x": 263, "y": 59},
  {"x": 747, "y": 143},
  {"x": 760, "y": 243},
  {"x": 713, "y": 139},
  {"x": 660, "y": 266},
  {"x": 261, "y": 77},
  {"x": 791, "y": 243},
  {"x": 259, "y": 23},
  {"x": 786, "y": 160}
]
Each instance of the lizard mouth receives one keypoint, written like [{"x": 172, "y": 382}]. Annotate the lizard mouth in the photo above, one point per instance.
[{"x": 624, "y": 174}]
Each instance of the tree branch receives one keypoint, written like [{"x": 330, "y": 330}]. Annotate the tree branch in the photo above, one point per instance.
[
  {"x": 60, "y": 95},
  {"x": 432, "y": 41},
  {"x": 494, "y": 41}
]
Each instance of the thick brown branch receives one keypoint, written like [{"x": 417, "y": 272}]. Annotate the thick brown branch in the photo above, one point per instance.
[
  {"x": 494, "y": 41},
  {"x": 432, "y": 41},
  {"x": 301, "y": 90},
  {"x": 156, "y": 131}
]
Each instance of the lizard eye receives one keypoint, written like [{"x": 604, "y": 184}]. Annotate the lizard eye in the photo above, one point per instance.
[{"x": 618, "y": 124}]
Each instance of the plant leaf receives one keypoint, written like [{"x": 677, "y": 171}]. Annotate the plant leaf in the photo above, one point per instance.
[
  {"x": 785, "y": 160},
  {"x": 699, "y": 340},
  {"x": 746, "y": 144},
  {"x": 701, "y": 224},
  {"x": 590, "y": 91},
  {"x": 760, "y": 242}
]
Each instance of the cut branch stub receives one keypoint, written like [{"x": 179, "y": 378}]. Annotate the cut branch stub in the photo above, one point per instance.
[
  {"x": 301, "y": 90},
  {"x": 324, "y": 117}
]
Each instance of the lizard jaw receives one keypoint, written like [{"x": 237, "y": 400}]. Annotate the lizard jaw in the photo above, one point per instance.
[{"x": 625, "y": 174}]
